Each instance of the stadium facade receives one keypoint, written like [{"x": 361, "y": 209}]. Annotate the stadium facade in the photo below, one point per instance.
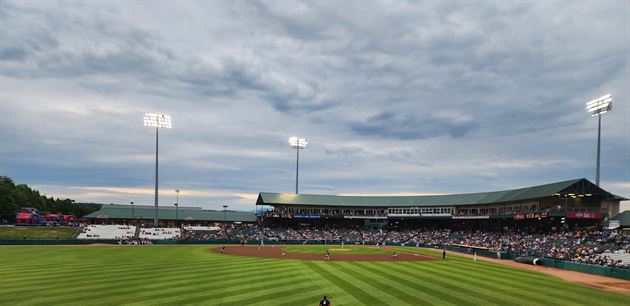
[
  {"x": 576, "y": 202},
  {"x": 168, "y": 216}
]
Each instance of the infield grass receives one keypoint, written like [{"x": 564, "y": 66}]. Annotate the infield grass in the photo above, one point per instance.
[{"x": 177, "y": 275}]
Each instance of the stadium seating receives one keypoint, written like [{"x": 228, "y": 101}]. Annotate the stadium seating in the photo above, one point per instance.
[
  {"x": 95, "y": 232},
  {"x": 619, "y": 255},
  {"x": 159, "y": 233}
]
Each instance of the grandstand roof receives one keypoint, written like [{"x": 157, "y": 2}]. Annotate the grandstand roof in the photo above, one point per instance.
[
  {"x": 116, "y": 211},
  {"x": 577, "y": 186}
]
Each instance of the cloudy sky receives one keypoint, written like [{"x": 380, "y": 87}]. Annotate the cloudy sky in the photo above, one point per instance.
[{"x": 395, "y": 97}]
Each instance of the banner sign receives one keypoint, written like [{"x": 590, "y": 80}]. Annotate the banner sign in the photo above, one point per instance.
[
  {"x": 530, "y": 216},
  {"x": 471, "y": 217},
  {"x": 536, "y": 215},
  {"x": 613, "y": 224},
  {"x": 306, "y": 216},
  {"x": 365, "y": 217},
  {"x": 584, "y": 215}
]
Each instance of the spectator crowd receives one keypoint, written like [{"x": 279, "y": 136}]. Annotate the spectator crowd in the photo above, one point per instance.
[{"x": 584, "y": 246}]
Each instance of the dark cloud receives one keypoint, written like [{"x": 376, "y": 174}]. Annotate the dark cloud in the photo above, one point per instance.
[{"x": 412, "y": 126}]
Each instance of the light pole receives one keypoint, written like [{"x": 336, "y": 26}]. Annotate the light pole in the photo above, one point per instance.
[
  {"x": 298, "y": 144},
  {"x": 157, "y": 121},
  {"x": 224, "y": 215},
  {"x": 176, "y": 205},
  {"x": 133, "y": 212},
  {"x": 597, "y": 107}
]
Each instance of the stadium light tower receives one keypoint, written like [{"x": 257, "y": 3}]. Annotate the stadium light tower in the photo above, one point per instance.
[
  {"x": 597, "y": 107},
  {"x": 298, "y": 144},
  {"x": 157, "y": 121},
  {"x": 176, "y": 205},
  {"x": 224, "y": 215}
]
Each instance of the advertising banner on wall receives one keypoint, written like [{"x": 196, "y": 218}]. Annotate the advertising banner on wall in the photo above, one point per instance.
[{"x": 584, "y": 215}]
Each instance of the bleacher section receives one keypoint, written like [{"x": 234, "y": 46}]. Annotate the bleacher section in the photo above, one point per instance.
[
  {"x": 619, "y": 255},
  {"x": 204, "y": 233},
  {"x": 159, "y": 233},
  {"x": 94, "y": 232}
]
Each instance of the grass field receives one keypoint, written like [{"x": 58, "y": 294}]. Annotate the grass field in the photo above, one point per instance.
[
  {"x": 36, "y": 232},
  {"x": 176, "y": 275}
]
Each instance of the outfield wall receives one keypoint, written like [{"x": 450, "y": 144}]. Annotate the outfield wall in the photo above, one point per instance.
[{"x": 584, "y": 268}]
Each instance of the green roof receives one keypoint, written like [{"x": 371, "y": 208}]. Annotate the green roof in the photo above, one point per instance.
[
  {"x": 624, "y": 218},
  {"x": 521, "y": 194},
  {"x": 116, "y": 211}
]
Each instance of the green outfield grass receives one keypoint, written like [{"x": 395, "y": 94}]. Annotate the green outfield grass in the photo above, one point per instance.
[
  {"x": 36, "y": 232},
  {"x": 176, "y": 275}
]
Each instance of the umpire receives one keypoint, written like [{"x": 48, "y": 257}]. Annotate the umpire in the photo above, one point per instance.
[{"x": 324, "y": 302}]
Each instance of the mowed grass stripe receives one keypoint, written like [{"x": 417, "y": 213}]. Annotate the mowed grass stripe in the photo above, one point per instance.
[
  {"x": 248, "y": 298},
  {"x": 170, "y": 282},
  {"x": 456, "y": 277},
  {"x": 88, "y": 281},
  {"x": 211, "y": 285},
  {"x": 551, "y": 283},
  {"x": 325, "y": 288},
  {"x": 468, "y": 262},
  {"x": 550, "y": 291},
  {"x": 355, "y": 291},
  {"x": 217, "y": 294},
  {"x": 110, "y": 295},
  {"x": 447, "y": 287},
  {"x": 394, "y": 296},
  {"x": 144, "y": 271},
  {"x": 377, "y": 281},
  {"x": 109, "y": 263},
  {"x": 430, "y": 292},
  {"x": 194, "y": 275}
]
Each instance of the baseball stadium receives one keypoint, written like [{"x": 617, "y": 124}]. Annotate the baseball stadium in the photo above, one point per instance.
[
  {"x": 561, "y": 243},
  {"x": 440, "y": 153}
]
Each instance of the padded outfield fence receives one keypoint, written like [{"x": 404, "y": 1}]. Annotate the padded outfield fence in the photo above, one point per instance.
[{"x": 584, "y": 268}]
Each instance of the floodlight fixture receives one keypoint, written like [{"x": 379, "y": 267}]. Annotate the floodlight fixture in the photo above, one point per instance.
[
  {"x": 598, "y": 107},
  {"x": 298, "y": 144},
  {"x": 157, "y": 121}
]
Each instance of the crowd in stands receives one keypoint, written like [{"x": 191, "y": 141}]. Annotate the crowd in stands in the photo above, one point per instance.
[{"x": 584, "y": 246}]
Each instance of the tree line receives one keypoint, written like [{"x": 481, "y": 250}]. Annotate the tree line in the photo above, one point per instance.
[{"x": 14, "y": 196}]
